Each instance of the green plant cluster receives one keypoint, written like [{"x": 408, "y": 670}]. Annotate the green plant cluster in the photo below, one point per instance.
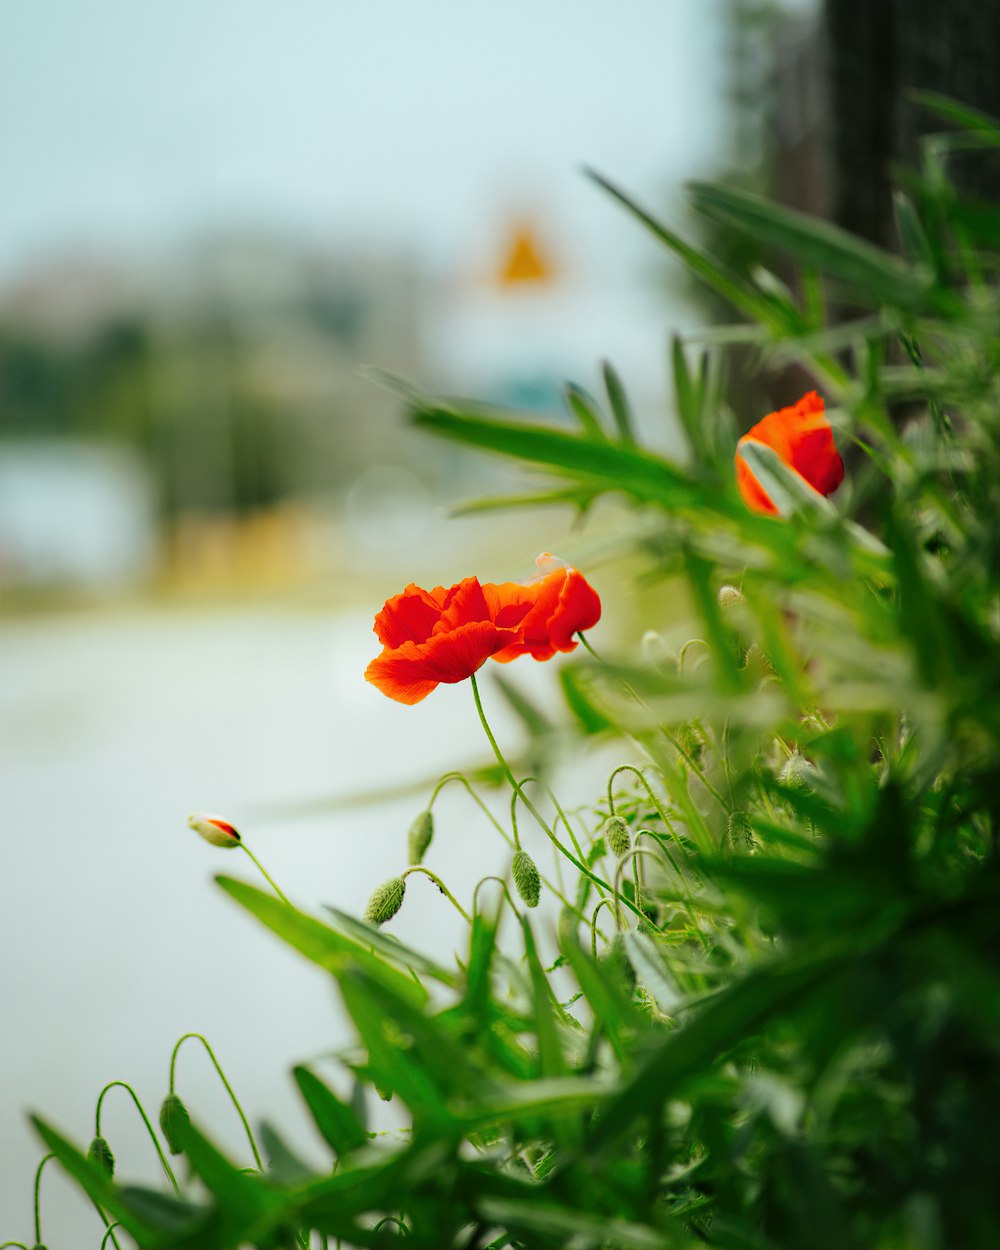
[{"x": 773, "y": 1019}]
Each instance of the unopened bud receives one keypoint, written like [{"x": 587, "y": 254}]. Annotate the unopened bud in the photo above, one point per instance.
[
  {"x": 526, "y": 879},
  {"x": 174, "y": 1119},
  {"x": 618, "y": 836},
  {"x": 420, "y": 835},
  {"x": 99, "y": 1152},
  {"x": 729, "y": 595},
  {"x": 385, "y": 901},
  {"x": 796, "y": 772},
  {"x": 215, "y": 830},
  {"x": 739, "y": 830}
]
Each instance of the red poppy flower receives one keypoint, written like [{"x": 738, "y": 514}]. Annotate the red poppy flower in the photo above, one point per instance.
[
  {"x": 434, "y": 636},
  {"x": 802, "y": 437},
  {"x": 564, "y": 602}
]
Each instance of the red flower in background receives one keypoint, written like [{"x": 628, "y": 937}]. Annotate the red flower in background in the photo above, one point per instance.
[
  {"x": 564, "y": 603},
  {"x": 803, "y": 438},
  {"x": 434, "y": 636}
]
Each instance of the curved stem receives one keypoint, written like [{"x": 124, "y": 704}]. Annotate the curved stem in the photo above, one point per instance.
[
  {"x": 440, "y": 885},
  {"x": 503, "y": 884},
  {"x": 511, "y": 842},
  {"x": 145, "y": 1119},
  {"x": 229, "y": 1089},
  {"x": 476, "y": 799},
  {"x": 513, "y": 818},
  {"x": 38, "y": 1182},
  {"x": 18, "y": 1244},
  {"x": 605, "y": 902},
  {"x": 264, "y": 873},
  {"x": 110, "y": 1233},
  {"x": 637, "y": 853},
  {"x": 578, "y": 864}
]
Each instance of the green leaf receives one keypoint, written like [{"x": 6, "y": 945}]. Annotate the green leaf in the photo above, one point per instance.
[
  {"x": 613, "y": 1010},
  {"x": 741, "y": 294},
  {"x": 550, "y": 1055},
  {"x": 318, "y": 942},
  {"x": 95, "y": 1183},
  {"x": 392, "y": 949},
  {"x": 869, "y": 271},
  {"x": 526, "y": 710},
  {"x": 283, "y": 1163},
  {"x": 243, "y": 1199},
  {"x": 788, "y": 491},
  {"x": 540, "y": 1216},
  {"x": 336, "y": 1121},
  {"x": 736, "y": 1013},
  {"x": 651, "y": 971},
  {"x": 586, "y": 410},
  {"x": 610, "y": 466},
  {"x": 963, "y": 115},
  {"x": 618, "y": 400}
]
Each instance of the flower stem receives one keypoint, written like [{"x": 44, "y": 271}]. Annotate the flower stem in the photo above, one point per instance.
[
  {"x": 145, "y": 1119},
  {"x": 264, "y": 873},
  {"x": 513, "y": 843},
  {"x": 38, "y": 1183},
  {"x": 229, "y": 1089},
  {"x": 578, "y": 864},
  {"x": 440, "y": 885},
  {"x": 503, "y": 885}
]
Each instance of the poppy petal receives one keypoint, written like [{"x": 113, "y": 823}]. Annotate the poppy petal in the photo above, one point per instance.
[
  {"x": 803, "y": 438},
  {"x": 409, "y": 616}
]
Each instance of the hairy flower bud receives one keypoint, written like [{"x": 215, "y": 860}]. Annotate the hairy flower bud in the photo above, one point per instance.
[
  {"x": 99, "y": 1152},
  {"x": 796, "y": 772},
  {"x": 739, "y": 831},
  {"x": 420, "y": 835},
  {"x": 729, "y": 595},
  {"x": 174, "y": 1119},
  {"x": 618, "y": 836},
  {"x": 526, "y": 879},
  {"x": 215, "y": 830},
  {"x": 385, "y": 901}
]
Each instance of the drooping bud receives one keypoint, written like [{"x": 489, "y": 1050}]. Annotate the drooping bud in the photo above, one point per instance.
[
  {"x": 618, "y": 836},
  {"x": 796, "y": 772},
  {"x": 728, "y": 596},
  {"x": 174, "y": 1119},
  {"x": 526, "y": 879},
  {"x": 739, "y": 831},
  {"x": 99, "y": 1152},
  {"x": 215, "y": 830},
  {"x": 420, "y": 835},
  {"x": 385, "y": 901}
]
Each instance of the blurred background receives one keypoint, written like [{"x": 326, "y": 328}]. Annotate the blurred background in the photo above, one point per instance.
[{"x": 213, "y": 220}]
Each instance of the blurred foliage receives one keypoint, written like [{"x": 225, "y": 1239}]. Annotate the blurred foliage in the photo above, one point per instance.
[{"x": 779, "y": 1028}]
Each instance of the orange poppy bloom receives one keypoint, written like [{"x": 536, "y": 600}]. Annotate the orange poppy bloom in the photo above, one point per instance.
[
  {"x": 803, "y": 438},
  {"x": 564, "y": 603},
  {"x": 434, "y": 636}
]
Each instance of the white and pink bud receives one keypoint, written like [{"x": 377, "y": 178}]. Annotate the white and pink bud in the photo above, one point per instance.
[{"x": 215, "y": 830}]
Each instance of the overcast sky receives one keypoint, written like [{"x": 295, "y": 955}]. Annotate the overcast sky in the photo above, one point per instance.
[{"x": 125, "y": 123}]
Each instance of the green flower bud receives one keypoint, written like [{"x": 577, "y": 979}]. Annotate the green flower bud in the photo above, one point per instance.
[
  {"x": 618, "y": 836},
  {"x": 796, "y": 772},
  {"x": 526, "y": 879},
  {"x": 420, "y": 835},
  {"x": 385, "y": 901},
  {"x": 99, "y": 1152},
  {"x": 174, "y": 1119},
  {"x": 739, "y": 831}
]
